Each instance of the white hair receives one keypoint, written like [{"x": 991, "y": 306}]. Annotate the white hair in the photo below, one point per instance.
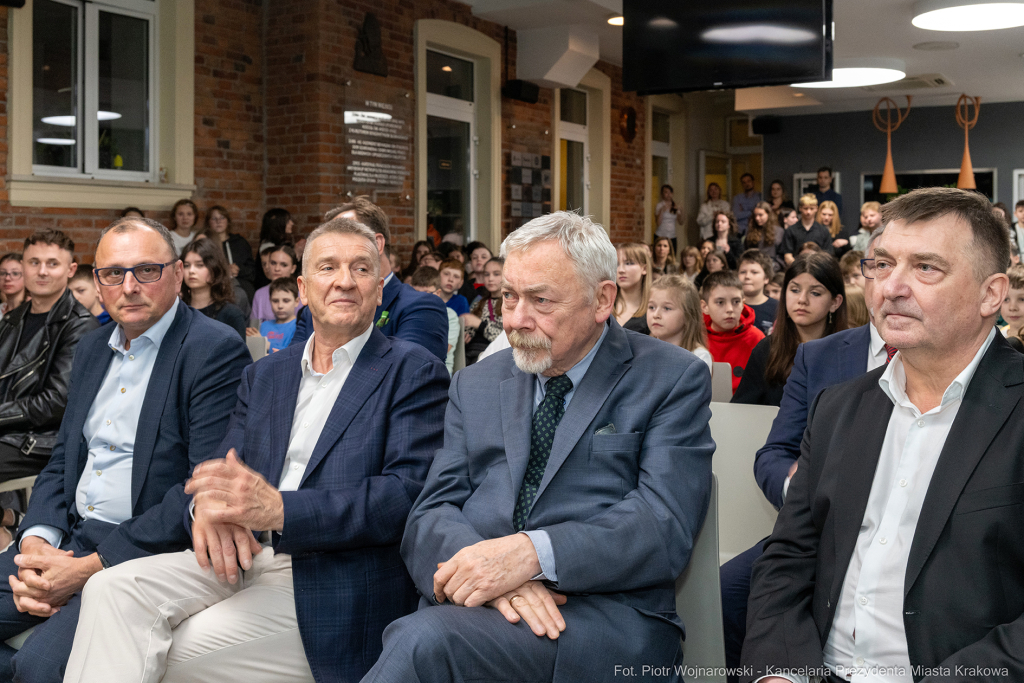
[{"x": 585, "y": 243}]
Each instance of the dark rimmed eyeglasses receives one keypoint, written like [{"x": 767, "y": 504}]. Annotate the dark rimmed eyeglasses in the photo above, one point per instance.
[
  {"x": 144, "y": 273},
  {"x": 867, "y": 268}
]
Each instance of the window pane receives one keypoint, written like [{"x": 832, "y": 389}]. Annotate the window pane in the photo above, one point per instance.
[
  {"x": 659, "y": 127},
  {"x": 123, "y": 93},
  {"x": 574, "y": 106},
  {"x": 55, "y": 84},
  {"x": 448, "y": 176},
  {"x": 449, "y": 76},
  {"x": 572, "y": 176}
]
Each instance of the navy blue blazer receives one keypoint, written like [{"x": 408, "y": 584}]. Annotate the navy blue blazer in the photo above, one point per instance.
[
  {"x": 184, "y": 417},
  {"x": 818, "y": 364},
  {"x": 412, "y": 316},
  {"x": 344, "y": 524}
]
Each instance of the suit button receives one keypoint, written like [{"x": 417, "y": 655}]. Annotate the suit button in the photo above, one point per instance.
[{"x": 111, "y": 448}]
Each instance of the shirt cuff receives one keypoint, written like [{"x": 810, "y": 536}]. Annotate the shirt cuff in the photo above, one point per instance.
[
  {"x": 192, "y": 508},
  {"x": 545, "y": 554},
  {"x": 50, "y": 534},
  {"x": 785, "y": 488}
]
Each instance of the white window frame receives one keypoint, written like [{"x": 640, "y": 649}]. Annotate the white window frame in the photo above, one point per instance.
[
  {"x": 88, "y": 93},
  {"x": 575, "y": 132}
]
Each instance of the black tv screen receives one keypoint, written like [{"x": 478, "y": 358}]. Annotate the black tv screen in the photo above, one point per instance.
[{"x": 684, "y": 45}]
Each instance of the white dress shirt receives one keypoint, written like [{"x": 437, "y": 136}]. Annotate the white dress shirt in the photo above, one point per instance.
[
  {"x": 104, "y": 490},
  {"x": 876, "y": 349}
]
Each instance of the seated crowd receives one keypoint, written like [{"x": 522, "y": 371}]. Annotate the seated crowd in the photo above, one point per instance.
[{"x": 351, "y": 508}]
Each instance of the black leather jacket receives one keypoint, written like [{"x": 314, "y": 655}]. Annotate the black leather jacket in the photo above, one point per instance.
[{"x": 34, "y": 381}]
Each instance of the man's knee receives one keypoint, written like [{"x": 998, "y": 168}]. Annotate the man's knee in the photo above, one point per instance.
[
  {"x": 41, "y": 660},
  {"x": 103, "y": 585}
]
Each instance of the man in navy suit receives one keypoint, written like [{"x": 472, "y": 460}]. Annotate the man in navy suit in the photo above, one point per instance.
[
  {"x": 402, "y": 312},
  {"x": 575, "y": 474},
  {"x": 336, "y": 436},
  {"x": 150, "y": 398}
]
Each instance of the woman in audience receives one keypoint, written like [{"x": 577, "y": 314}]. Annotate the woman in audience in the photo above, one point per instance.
[
  {"x": 706, "y": 214},
  {"x": 237, "y": 251},
  {"x": 184, "y": 216},
  {"x": 673, "y": 315},
  {"x": 479, "y": 256},
  {"x": 856, "y": 307},
  {"x": 664, "y": 260},
  {"x": 779, "y": 200},
  {"x": 813, "y": 306},
  {"x": 634, "y": 283},
  {"x": 282, "y": 263},
  {"x": 419, "y": 250},
  {"x": 764, "y": 234},
  {"x": 12, "y": 283},
  {"x": 828, "y": 215},
  {"x": 727, "y": 238},
  {"x": 207, "y": 284},
  {"x": 713, "y": 262},
  {"x": 483, "y": 322},
  {"x": 691, "y": 264},
  {"x": 706, "y": 247}
]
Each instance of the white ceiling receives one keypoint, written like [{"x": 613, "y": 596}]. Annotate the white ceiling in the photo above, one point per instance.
[{"x": 987, "y": 63}]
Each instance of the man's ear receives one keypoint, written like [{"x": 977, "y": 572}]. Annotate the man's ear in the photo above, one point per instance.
[{"x": 301, "y": 281}]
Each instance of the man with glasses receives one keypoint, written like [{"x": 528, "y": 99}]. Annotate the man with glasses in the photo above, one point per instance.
[{"x": 148, "y": 402}]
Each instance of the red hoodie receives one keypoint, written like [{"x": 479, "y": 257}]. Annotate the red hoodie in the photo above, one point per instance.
[{"x": 734, "y": 347}]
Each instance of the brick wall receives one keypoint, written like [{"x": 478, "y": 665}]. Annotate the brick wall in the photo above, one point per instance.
[{"x": 628, "y": 214}]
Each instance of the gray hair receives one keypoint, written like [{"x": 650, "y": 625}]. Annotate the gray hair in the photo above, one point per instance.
[
  {"x": 585, "y": 243},
  {"x": 129, "y": 223},
  {"x": 871, "y": 240},
  {"x": 344, "y": 226}
]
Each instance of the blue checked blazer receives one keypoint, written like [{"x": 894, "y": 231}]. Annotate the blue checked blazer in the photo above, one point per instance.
[
  {"x": 344, "y": 524},
  {"x": 184, "y": 416}
]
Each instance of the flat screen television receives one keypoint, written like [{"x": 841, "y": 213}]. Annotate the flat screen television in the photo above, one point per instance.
[{"x": 685, "y": 45}]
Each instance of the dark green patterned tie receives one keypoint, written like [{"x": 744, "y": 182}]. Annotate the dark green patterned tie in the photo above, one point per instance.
[{"x": 542, "y": 435}]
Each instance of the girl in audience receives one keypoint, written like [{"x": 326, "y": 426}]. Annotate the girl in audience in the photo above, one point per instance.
[
  {"x": 774, "y": 286},
  {"x": 664, "y": 258},
  {"x": 184, "y": 216},
  {"x": 779, "y": 200},
  {"x": 706, "y": 247},
  {"x": 483, "y": 322},
  {"x": 276, "y": 228},
  {"x": 713, "y": 262},
  {"x": 692, "y": 262},
  {"x": 419, "y": 250},
  {"x": 828, "y": 215},
  {"x": 727, "y": 238},
  {"x": 787, "y": 217},
  {"x": 634, "y": 287},
  {"x": 813, "y": 306},
  {"x": 12, "y": 283},
  {"x": 706, "y": 214},
  {"x": 673, "y": 314},
  {"x": 281, "y": 263},
  {"x": 479, "y": 255},
  {"x": 237, "y": 251},
  {"x": 764, "y": 234},
  {"x": 207, "y": 284}
]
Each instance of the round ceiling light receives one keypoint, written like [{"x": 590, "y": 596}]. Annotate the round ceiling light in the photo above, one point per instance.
[
  {"x": 70, "y": 120},
  {"x": 857, "y": 73},
  {"x": 617, "y": 20},
  {"x": 967, "y": 15}
]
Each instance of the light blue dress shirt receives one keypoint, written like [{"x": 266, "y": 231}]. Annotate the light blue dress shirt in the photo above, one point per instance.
[
  {"x": 104, "y": 491},
  {"x": 540, "y": 538}
]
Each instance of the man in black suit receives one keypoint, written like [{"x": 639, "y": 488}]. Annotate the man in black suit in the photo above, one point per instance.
[{"x": 899, "y": 554}]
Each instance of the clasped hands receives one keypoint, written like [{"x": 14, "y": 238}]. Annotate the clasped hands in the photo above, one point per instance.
[
  {"x": 48, "y": 577},
  {"x": 497, "y": 573},
  {"x": 230, "y": 502}
]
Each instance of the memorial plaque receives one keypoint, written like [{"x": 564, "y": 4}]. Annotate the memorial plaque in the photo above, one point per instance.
[{"x": 378, "y": 144}]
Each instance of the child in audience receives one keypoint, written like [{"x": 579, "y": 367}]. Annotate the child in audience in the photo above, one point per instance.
[
  {"x": 207, "y": 287},
  {"x": 828, "y": 215},
  {"x": 284, "y": 296},
  {"x": 1013, "y": 305},
  {"x": 265, "y": 260},
  {"x": 429, "y": 280},
  {"x": 850, "y": 266},
  {"x": 12, "y": 282},
  {"x": 282, "y": 263},
  {"x": 870, "y": 219},
  {"x": 83, "y": 287},
  {"x": 774, "y": 287},
  {"x": 856, "y": 307},
  {"x": 673, "y": 315},
  {"x": 479, "y": 257},
  {"x": 483, "y": 322},
  {"x": 754, "y": 273},
  {"x": 431, "y": 260},
  {"x": 729, "y": 323},
  {"x": 452, "y": 275},
  {"x": 634, "y": 286},
  {"x": 184, "y": 216},
  {"x": 691, "y": 263},
  {"x": 813, "y": 306},
  {"x": 714, "y": 262},
  {"x": 664, "y": 258}
]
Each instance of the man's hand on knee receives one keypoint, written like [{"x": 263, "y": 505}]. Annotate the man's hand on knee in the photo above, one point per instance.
[
  {"x": 46, "y": 581},
  {"x": 225, "y": 547},
  {"x": 536, "y": 605},
  {"x": 481, "y": 572},
  {"x": 233, "y": 493}
]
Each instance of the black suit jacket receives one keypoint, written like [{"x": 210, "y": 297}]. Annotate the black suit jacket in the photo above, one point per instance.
[{"x": 964, "y": 586}]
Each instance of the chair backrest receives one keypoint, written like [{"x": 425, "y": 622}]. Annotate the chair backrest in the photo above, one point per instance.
[
  {"x": 459, "y": 359},
  {"x": 745, "y": 515},
  {"x": 699, "y": 599},
  {"x": 257, "y": 347},
  {"x": 721, "y": 382}
]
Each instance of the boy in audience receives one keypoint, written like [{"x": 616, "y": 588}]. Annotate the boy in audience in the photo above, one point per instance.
[
  {"x": 452, "y": 274},
  {"x": 774, "y": 287},
  {"x": 806, "y": 230},
  {"x": 755, "y": 271},
  {"x": 850, "y": 266},
  {"x": 870, "y": 219},
  {"x": 84, "y": 289},
  {"x": 284, "y": 296},
  {"x": 731, "y": 334},
  {"x": 428, "y": 280},
  {"x": 1013, "y": 305}
]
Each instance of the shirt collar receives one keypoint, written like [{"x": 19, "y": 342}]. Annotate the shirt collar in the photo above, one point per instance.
[
  {"x": 346, "y": 353},
  {"x": 155, "y": 334},
  {"x": 577, "y": 371},
  {"x": 894, "y": 380},
  {"x": 388, "y": 278},
  {"x": 877, "y": 344}
]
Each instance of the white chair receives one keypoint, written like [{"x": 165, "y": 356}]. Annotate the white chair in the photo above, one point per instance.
[
  {"x": 257, "y": 347},
  {"x": 721, "y": 382},
  {"x": 17, "y": 641},
  {"x": 459, "y": 357},
  {"x": 25, "y": 483},
  {"x": 745, "y": 515},
  {"x": 699, "y": 599}
]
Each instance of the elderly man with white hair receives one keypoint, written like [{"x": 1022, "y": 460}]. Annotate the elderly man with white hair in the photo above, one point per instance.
[{"x": 575, "y": 474}]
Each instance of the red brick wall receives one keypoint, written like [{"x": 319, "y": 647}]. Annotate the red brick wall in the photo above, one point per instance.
[{"x": 628, "y": 215}]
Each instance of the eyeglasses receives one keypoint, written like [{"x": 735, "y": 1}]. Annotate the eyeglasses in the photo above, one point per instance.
[
  {"x": 14, "y": 275},
  {"x": 144, "y": 273}
]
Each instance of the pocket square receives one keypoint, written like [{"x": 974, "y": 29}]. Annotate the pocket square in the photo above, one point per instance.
[{"x": 607, "y": 429}]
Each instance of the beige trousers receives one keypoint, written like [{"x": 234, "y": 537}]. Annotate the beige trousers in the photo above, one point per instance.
[{"x": 163, "y": 618}]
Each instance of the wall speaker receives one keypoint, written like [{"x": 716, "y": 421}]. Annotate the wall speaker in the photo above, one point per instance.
[
  {"x": 524, "y": 91},
  {"x": 766, "y": 125}
]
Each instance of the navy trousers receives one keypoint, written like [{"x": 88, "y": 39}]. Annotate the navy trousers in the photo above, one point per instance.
[{"x": 735, "y": 577}]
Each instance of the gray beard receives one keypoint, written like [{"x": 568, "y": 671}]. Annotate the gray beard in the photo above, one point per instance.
[{"x": 529, "y": 362}]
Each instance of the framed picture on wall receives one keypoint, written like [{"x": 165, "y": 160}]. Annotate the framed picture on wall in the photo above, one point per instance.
[
  {"x": 807, "y": 183},
  {"x": 1018, "y": 186},
  {"x": 984, "y": 178}
]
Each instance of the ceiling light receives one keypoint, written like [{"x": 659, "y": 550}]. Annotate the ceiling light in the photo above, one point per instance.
[
  {"x": 617, "y": 20},
  {"x": 758, "y": 33},
  {"x": 662, "y": 22},
  {"x": 857, "y": 73},
  {"x": 55, "y": 141},
  {"x": 446, "y": 68},
  {"x": 967, "y": 15},
  {"x": 70, "y": 120}
]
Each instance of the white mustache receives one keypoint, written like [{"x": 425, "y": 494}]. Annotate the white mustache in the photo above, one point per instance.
[{"x": 526, "y": 342}]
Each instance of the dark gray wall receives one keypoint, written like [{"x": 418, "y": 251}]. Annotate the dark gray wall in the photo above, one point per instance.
[{"x": 928, "y": 139}]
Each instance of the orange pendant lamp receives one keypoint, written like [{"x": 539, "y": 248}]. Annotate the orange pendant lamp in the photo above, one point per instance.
[
  {"x": 887, "y": 124},
  {"x": 966, "y": 179}
]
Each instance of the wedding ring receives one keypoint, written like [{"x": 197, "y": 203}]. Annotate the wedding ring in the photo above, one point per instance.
[{"x": 512, "y": 600}]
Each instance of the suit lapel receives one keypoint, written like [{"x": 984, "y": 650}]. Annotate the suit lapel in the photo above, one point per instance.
[
  {"x": 287, "y": 377},
  {"x": 517, "y": 395},
  {"x": 985, "y": 408},
  {"x": 92, "y": 378},
  {"x": 366, "y": 375}
]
